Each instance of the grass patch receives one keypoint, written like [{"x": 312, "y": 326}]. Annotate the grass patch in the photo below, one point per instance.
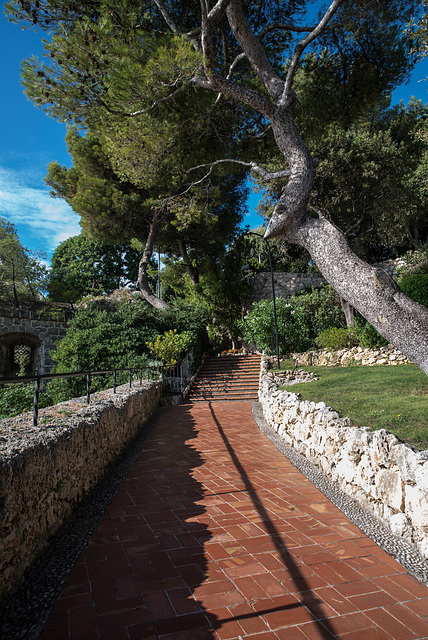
[{"x": 379, "y": 397}]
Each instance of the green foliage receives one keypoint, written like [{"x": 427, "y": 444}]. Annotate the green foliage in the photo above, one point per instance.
[
  {"x": 363, "y": 181},
  {"x": 369, "y": 338},
  {"x": 259, "y": 327},
  {"x": 82, "y": 267},
  {"x": 412, "y": 262},
  {"x": 301, "y": 319},
  {"x": 171, "y": 345},
  {"x": 17, "y": 398},
  {"x": 337, "y": 338},
  {"x": 416, "y": 287},
  {"x": 106, "y": 335},
  {"x": 100, "y": 339},
  {"x": 320, "y": 309},
  {"x": 22, "y": 275}
]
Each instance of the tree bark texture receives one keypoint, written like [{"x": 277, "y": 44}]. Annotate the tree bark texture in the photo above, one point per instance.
[
  {"x": 142, "y": 281},
  {"x": 368, "y": 289}
]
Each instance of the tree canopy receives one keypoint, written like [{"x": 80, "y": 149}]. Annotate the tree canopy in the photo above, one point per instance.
[
  {"x": 81, "y": 267},
  {"x": 23, "y": 276},
  {"x": 180, "y": 90}
]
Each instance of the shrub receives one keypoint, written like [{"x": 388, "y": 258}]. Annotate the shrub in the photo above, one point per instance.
[
  {"x": 369, "y": 338},
  {"x": 259, "y": 327},
  {"x": 416, "y": 287},
  {"x": 107, "y": 334},
  {"x": 337, "y": 338},
  {"x": 319, "y": 309},
  {"x": 412, "y": 262},
  {"x": 171, "y": 345}
]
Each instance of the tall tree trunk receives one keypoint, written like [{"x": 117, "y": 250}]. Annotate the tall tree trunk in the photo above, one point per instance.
[
  {"x": 348, "y": 310},
  {"x": 191, "y": 270},
  {"x": 368, "y": 289},
  {"x": 142, "y": 281}
]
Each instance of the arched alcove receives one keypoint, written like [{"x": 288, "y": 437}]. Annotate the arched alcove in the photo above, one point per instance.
[{"x": 20, "y": 354}]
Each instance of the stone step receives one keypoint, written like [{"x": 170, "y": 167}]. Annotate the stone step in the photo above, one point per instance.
[
  {"x": 206, "y": 397},
  {"x": 227, "y": 378}
]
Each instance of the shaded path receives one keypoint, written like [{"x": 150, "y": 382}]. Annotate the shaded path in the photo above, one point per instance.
[{"x": 215, "y": 535}]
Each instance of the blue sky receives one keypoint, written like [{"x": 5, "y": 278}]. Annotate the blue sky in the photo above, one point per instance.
[{"x": 29, "y": 140}]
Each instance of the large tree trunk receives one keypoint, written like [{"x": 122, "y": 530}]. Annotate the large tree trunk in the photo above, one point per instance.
[
  {"x": 142, "y": 281},
  {"x": 368, "y": 289}
]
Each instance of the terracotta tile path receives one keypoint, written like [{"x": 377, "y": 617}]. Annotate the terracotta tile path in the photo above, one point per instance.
[{"x": 215, "y": 535}]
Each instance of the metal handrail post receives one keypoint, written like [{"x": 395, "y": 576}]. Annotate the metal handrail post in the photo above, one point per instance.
[
  {"x": 114, "y": 381},
  {"x": 130, "y": 379},
  {"x": 36, "y": 402},
  {"x": 88, "y": 387}
]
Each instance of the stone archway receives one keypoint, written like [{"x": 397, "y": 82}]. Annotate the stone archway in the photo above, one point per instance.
[{"x": 20, "y": 353}]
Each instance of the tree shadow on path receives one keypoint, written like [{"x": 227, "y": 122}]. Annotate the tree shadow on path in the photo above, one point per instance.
[{"x": 308, "y": 598}]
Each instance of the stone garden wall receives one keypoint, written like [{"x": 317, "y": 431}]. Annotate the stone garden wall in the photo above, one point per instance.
[
  {"x": 46, "y": 471},
  {"x": 389, "y": 477},
  {"x": 346, "y": 357}
]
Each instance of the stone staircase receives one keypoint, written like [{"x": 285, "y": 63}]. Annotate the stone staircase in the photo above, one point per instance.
[{"x": 234, "y": 377}]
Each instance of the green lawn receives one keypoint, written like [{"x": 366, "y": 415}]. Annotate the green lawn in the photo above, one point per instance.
[{"x": 380, "y": 397}]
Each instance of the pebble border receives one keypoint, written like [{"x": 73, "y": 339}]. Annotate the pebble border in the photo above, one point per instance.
[
  {"x": 25, "y": 613},
  {"x": 406, "y": 554}
]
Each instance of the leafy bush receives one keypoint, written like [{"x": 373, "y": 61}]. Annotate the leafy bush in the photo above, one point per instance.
[
  {"x": 416, "y": 287},
  {"x": 319, "y": 309},
  {"x": 108, "y": 335},
  {"x": 300, "y": 320},
  {"x": 412, "y": 262},
  {"x": 171, "y": 345},
  {"x": 17, "y": 398},
  {"x": 369, "y": 338},
  {"x": 259, "y": 327},
  {"x": 337, "y": 338}
]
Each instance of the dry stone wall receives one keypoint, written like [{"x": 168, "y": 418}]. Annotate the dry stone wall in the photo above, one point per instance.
[
  {"x": 389, "y": 477},
  {"x": 346, "y": 357},
  {"x": 46, "y": 471}
]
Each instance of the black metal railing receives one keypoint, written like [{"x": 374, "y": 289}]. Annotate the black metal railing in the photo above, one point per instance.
[
  {"x": 81, "y": 374},
  {"x": 175, "y": 379}
]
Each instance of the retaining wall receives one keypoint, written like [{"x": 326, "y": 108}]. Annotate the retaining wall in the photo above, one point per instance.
[
  {"x": 387, "y": 476},
  {"x": 46, "y": 472},
  {"x": 346, "y": 357}
]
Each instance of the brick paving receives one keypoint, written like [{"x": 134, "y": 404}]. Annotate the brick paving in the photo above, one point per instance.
[{"x": 215, "y": 535}]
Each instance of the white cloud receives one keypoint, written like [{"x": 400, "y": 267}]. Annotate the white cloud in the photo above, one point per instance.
[{"x": 42, "y": 221}]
